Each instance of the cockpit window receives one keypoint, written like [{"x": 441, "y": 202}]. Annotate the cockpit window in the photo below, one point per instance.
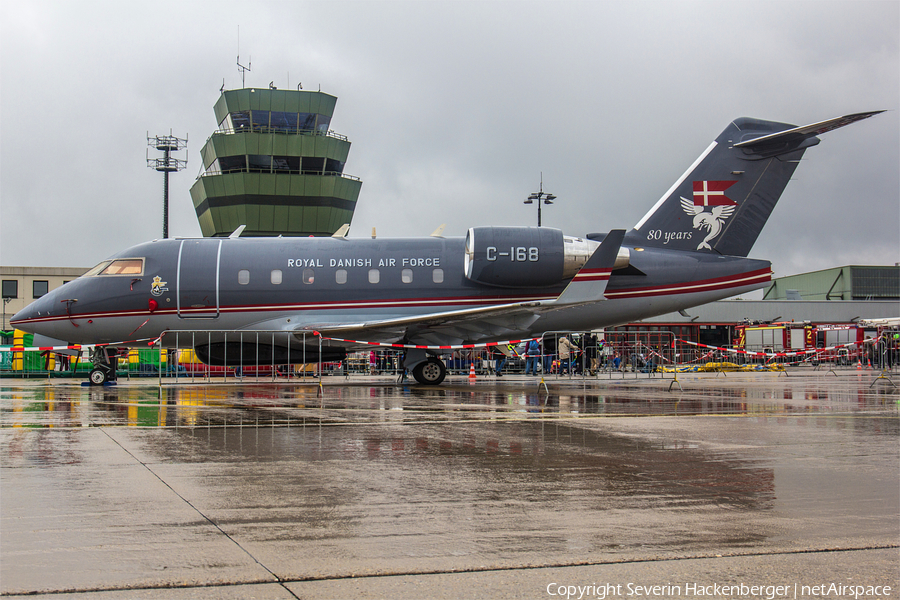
[
  {"x": 120, "y": 266},
  {"x": 97, "y": 269}
]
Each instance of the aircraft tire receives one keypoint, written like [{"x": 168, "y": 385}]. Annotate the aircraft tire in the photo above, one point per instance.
[
  {"x": 98, "y": 377},
  {"x": 430, "y": 372}
]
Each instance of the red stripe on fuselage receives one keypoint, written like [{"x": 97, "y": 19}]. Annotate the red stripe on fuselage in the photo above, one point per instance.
[
  {"x": 446, "y": 302},
  {"x": 703, "y": 285}
]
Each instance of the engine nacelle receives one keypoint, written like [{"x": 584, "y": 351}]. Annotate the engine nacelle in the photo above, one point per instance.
[
  {"x": 515, "y": 256},
  {"x": 528, "y": 256}
]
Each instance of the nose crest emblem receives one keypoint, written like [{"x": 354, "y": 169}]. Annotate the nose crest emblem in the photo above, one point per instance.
[{"x": 157, "y": 288}]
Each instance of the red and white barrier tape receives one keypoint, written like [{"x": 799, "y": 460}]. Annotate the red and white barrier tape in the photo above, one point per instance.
[
  {"x": 774, "y": 354},
  {"x": 74, "y": 346}
]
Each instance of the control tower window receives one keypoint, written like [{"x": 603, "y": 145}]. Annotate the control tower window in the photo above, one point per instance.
[
  {"x": 231, "y": 164},
  {"x": 306, "y": 121},
  {"x": 313, "y": 165},
  {"x": 240, "y": 120},
  {"x": 333, "y": 166},
  {"x": 286, "y": 164},
  {"x": 283, "y": 122},
  {"x": 324, "y": 123},
  {"x": 259, "y": 163},
  {"x": 260, "y": 120}
]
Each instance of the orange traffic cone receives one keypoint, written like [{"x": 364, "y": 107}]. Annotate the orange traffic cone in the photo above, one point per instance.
[
  {"x": 869, "y": 358},
  {"x": 472, "y": 371},
  {"x": 858, "y": 364}
]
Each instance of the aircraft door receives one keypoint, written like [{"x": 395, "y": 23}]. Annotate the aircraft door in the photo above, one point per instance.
[{"x": 198, "y": 278}]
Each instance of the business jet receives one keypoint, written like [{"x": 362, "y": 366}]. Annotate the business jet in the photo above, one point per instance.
[{"x": 430, "y": 293}]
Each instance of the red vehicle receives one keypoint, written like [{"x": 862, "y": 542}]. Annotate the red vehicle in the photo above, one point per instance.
[{"x": 822, "y": 343}]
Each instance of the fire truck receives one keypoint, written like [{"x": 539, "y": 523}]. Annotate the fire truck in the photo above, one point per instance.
[{"x": 822, "y": 343}]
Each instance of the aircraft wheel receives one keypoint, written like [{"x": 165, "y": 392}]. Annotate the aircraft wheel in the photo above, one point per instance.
[
  {"x": 430, "y": 372},
  {"x": 98, "y": 377}
]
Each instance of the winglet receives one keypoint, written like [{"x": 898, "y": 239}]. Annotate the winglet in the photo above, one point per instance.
[{"x": 590, "y": 282}]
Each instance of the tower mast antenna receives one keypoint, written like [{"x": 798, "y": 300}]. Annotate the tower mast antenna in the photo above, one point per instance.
[{"x": 242, "y": 68}]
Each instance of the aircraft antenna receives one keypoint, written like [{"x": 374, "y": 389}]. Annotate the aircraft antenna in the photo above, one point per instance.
[{"x": 168, "y": 164}]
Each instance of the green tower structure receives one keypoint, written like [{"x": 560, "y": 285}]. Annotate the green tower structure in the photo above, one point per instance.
[{"x": 274, "y": 166}]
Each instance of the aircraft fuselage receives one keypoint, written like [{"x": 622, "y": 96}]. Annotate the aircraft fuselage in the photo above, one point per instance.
[{"x": 297, "y": 284}]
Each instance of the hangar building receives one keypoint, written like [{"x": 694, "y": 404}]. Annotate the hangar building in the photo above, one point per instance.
[{"x": 852, "y": 282}]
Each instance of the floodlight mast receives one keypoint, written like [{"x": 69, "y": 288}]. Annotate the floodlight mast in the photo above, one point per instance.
[
  {"x": 541, "y": 197},
  {"x": 168, "y": 164}
]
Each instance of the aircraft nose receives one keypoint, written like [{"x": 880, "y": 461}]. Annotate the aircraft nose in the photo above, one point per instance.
[
  {"x": 25, "y": 314},
  {"x": 28, "y": 319}
]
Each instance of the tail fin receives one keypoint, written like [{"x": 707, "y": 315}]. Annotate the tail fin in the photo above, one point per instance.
[{"x": 723, "y": 200}]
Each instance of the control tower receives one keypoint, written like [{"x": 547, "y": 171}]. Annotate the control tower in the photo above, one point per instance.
[{"x": 274, "y": 165}]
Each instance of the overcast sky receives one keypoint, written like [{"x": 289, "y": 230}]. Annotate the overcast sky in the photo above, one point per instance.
[{"x": 454, "y": 110}]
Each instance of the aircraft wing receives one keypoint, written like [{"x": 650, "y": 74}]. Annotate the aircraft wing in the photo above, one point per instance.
[{"x": 490, "y": 323}]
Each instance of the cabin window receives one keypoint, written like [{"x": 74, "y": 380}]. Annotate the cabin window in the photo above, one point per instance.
[
  {"x": 39, "y": 288},
  {"x": 309, "y": 276},
  {"x": 340, "y": 276},
  {"x": 243, "y": 277},
  {"x": 374, "y": 275},
  {"x": 276, "y": 276},
  {"x": 437, "y": 276},
  {"x": 124, "y": 266},
  {"x": 406, "y": 275}
]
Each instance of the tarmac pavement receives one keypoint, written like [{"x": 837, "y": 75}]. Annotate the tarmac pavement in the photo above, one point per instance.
[{"x": 785, "y": 484}]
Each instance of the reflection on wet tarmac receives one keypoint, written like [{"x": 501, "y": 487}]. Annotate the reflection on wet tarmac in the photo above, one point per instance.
[
  {"x": 375, "y": 478},
  {"x": 230, "y": 405}
]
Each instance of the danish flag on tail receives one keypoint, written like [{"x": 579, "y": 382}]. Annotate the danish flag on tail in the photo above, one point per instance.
[{"x": 712, "y": 193}]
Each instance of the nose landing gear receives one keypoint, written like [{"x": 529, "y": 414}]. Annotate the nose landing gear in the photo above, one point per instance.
[{"x": 104, "y": 360}]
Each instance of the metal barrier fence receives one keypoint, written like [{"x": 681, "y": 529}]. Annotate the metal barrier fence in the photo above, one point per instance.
[
  {"x": 302, "y": 361},
  {"x": 583, "y": 354}
]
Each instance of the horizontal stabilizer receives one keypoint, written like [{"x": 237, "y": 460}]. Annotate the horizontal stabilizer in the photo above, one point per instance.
[
  {"x": 590, "y": 282},
  {"x": 798, "y": 134}
]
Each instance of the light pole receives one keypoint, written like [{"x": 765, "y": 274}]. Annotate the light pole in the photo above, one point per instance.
[
  {"x": 542, "y": 197},
  {"x": 167, "y": 164}
]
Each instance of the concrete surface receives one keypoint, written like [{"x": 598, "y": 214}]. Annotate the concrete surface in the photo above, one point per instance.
[{"x": 485, "y": 489}]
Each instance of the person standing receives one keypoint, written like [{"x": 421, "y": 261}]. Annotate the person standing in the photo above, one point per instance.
[
  {"x": 499, "y": 360},
  {"x": 564, "y": 348},
  {"x": 532, "y": 356}
]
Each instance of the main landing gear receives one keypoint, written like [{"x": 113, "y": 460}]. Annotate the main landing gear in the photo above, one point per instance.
[{"x": 430, "y": 372}]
